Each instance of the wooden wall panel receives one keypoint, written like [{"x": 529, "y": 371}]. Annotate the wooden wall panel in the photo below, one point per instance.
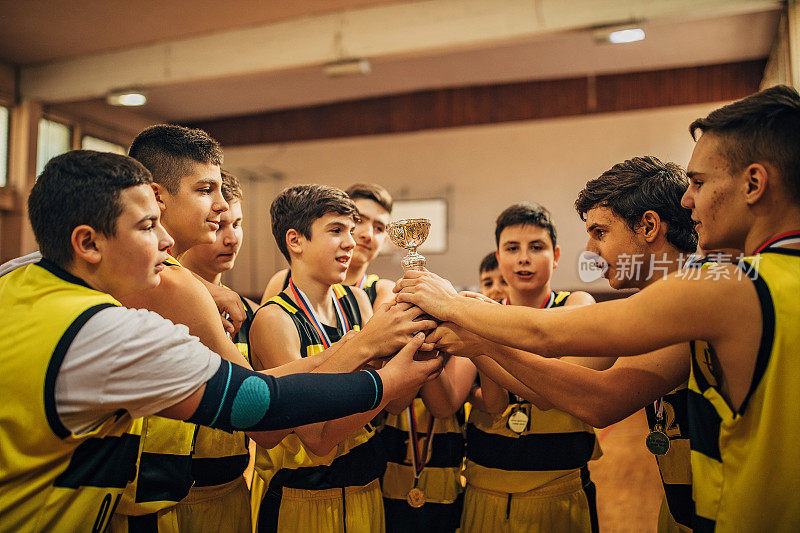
[{"x": 467, "y": 106}]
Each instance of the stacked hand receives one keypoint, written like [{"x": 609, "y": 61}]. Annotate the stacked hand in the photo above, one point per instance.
[
  {"x": 455, "y": 340},
  {"x": 393, "y": 326},
  {"x": 426, "y": 290}
]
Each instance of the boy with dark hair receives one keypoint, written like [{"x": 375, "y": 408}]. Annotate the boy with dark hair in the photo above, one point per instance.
[
  {"x": 492, "y": 283},
  {"x": 219, "y": 499},
  {"x": 662, "y": 237},
  {"x": 374, "y": 205},
  {"x": 322, "y": 477},
  {"x": 526, "y": 468},
  {"x": 743, "y": 195},
  {"x": 185, "y": 164},
  {"x": 74, "y": 379}
]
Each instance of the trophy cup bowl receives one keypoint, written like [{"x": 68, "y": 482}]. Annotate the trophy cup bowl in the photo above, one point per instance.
[{"x": 410, "y": 233}]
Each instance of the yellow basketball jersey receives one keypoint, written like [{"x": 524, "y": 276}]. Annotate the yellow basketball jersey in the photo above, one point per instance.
[
  {"x": 552, "y": 446},
  {"x": 371, "y": 288},
  {"x": 744, "y": 462},
  {"x": 356, "y": 461},
  {"x": 675, "y": 466},
  {"x": 219, "y": 456},
  {"x": 50, "y": 478},
  {"x": 440, "y": 480},
  {"x": 164, "y": 464}
]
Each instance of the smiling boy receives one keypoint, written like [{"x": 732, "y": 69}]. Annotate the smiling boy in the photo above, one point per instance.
[
  {"x": 526, "y": 468},
  {"x": 374, "y": 205},
  {"x": 322, "y": 477}
]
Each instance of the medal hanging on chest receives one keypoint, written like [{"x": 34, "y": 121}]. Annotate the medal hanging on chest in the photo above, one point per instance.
[
  {"x": 657, "y": 440},
  {"x": 518, "y": 420},
  {"x": 416, "y": 497}
]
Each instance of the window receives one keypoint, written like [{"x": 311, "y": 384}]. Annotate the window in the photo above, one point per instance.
[
  {"x": 93, "y": 143},
  {"x": 3, "y": 146},
  {"x": 54, "y": 139}
]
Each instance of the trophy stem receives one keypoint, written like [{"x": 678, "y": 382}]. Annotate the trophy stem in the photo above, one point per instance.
[{"x": 413, "y": 261}]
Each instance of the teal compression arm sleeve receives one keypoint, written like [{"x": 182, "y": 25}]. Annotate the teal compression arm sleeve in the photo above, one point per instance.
[{"x": 239, "y": 399}]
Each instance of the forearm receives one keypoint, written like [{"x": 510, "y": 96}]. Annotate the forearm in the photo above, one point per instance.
[
  {"x": 234, "y": 400},
  {"x": 400, "y": 404},
  {"x": 597, "y": 397},
  {"x": 499, "y": 375},
  {"x": 321, "y": 438},
  {"x": 493, "y": 397}
]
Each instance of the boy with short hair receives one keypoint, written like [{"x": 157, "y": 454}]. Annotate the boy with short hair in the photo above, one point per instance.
[
  {"x": 632, "y": 212},
  {"x": 744, "y": 194},
  {"x": 185, "y": 164},
  {"x": 374, "y": 204},
  {"x": 526, "y": 468},
  {"x": 219, "y": 500},
  {"x": 322, "y": 477},
  {"x": 75, "y": 378},
  {"x": 492, "y": 283}
]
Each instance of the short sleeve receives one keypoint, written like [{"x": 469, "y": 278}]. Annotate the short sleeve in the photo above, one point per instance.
[{"x": 133, "y": 360}]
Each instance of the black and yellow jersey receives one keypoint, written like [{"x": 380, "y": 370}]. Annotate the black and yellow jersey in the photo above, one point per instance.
[
  {"x": 440, "y": 479},
  {"x": 675, "y": 466},
  {"x": 164, "y": 463},
  {"x": 50, "y": 478},
  {"x": 744, "y": 460},
  {"x": 220, "y": 457},
  {"x": 357, "y": 460},
  {"x": 369, "y": 283},
  {"x": 553, "y": 445}
]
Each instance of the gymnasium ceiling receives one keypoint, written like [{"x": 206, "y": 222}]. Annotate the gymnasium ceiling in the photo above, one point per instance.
[{"x": 202, "y": 58}]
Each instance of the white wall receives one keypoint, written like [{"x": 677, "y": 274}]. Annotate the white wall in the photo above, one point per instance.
[{"x": 480, "y": 170}]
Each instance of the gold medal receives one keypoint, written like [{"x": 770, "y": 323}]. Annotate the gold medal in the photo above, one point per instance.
[
  {"x": 657, "y": 442},
  {"x": 518, "y": 421},
  {"x": 416, "y": 498}
]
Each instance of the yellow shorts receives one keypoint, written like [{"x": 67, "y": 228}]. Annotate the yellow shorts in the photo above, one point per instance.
[
  {"x": 257, "y": 490},
  {"x": 322, "y": 511},
  {"x": 164, "y": 521},
  {"x": 563, "y": 506},
  {"x": 222, "y": 508}
]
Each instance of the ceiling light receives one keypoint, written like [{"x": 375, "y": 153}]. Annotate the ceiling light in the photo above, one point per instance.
[
  {"x": 347, "y": 67},
  {"x": 129, "y": 97},
  {"x": 628, "y": 35},
  {"x": 618, "y": 34}
]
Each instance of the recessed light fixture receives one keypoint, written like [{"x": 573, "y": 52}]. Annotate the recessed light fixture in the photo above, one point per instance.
[
  {"x": 347, "y": 67},
  {"x": 619, "y": 34},
  {"x": 127, "y": 97}
]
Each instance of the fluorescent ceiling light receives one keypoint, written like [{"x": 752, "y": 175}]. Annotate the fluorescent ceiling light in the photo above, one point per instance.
[
  {"x": 628, "y": 35},
  {"x": 347, "y": 67},
  {"x": 130, "y": 97}
]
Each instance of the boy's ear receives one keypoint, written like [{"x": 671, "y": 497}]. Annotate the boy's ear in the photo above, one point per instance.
[
  {"x": 84, "y": 244},
  {"x": 293, "y": 241},
  {"x": 650, "y": 226},
  {"x": 757, "y": 178},
  {"x": 160, "y": 192},
  {"x": 556, "y": 255}
]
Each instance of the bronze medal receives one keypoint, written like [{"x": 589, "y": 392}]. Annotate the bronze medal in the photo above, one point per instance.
[
  {"x": 657, "y": 442},
  {"x": 416, "y": 498},
  {"x": 518, "y": 421}
]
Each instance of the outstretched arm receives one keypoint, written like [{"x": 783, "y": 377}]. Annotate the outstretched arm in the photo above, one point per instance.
[{"x": 668, "y": 312}]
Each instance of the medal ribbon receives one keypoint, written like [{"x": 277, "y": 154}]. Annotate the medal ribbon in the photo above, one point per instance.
[
  {"x": 308, "y": 310},
  {"x": 418, "y": 459},
  {"x": 658, "y": 406},
  {"x": 363, "y": 282},
  {"x": 790, "y": 237}
]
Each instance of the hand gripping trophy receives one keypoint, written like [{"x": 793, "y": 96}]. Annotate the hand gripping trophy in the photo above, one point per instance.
[{"x": 410, "y": 233}]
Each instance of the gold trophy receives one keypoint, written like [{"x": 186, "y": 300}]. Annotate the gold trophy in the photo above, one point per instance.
[{"x": 410, "y": 233}]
